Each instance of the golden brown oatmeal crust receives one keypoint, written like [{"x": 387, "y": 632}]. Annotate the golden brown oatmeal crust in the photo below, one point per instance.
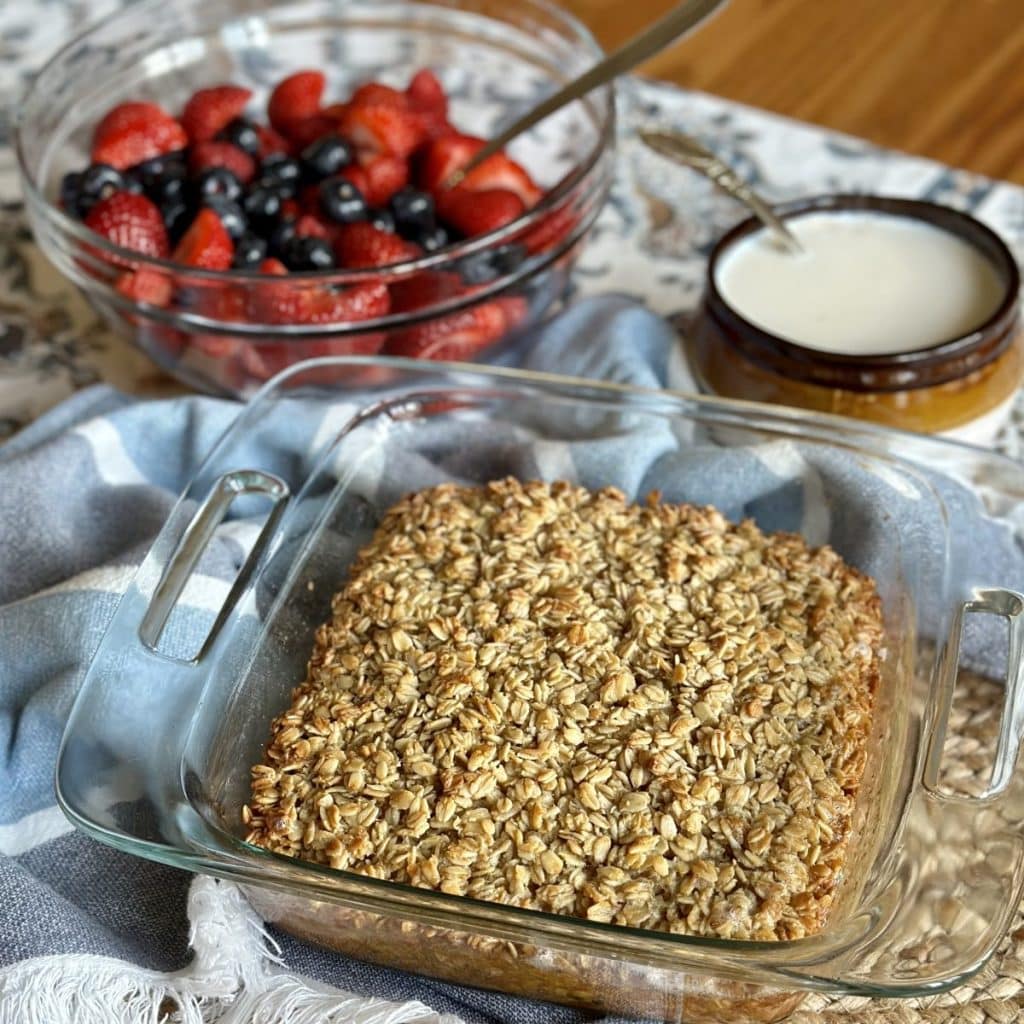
[{"x": 548, "y": 697}]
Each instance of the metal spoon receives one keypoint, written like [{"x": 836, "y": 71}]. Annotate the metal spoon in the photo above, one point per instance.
[
  {"x": 689, "y": 152},
  {"x": 649, "y": 42}
]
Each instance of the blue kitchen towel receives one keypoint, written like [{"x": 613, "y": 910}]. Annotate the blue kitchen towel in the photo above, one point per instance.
[{"x": 84, "y": 490}]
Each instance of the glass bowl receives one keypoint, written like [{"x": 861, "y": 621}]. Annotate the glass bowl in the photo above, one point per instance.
[
  {"x": 177, "y": 703},
  {"x": 963, "y": 387},
  {"x": 495, "y": 60}
]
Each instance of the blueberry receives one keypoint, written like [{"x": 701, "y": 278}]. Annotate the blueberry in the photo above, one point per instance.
[
  {"x": 163, "y": 190},
  {"x": 177, "y": 215},
  {"x": 262, "y": 203},
  {"x": 283, "y": 170},
  {"x": 230, "y": 214},
  {"x": 241, "y": 133},
  {"x": 280, "y": 235},
  {"x": 218, "y": 181},
  {"x": 308, "y": 253},
  {"x": 431, "y": 239},
  {"x": 71, "y": 191},
  {"x": 326, "y": 156},
  {"x": 413, "y": 210},
  {"x": 342, "y": 202},
  {"x": 159, "y": 169},
  {"x": 382, "y": 220},
  {"x": 132, "y": 184},
  {"x": 490, "y": 264},
  {"x": 99, "y": 181},
  {"x": 250, "y": 252}
]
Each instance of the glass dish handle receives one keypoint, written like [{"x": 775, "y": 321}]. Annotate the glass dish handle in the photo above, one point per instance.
[
  {"x": 194, "y": 540},
  {"x": 1009, "y": 605}
]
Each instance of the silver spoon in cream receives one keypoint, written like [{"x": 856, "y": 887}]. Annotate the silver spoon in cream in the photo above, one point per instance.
[{"x": 688, "y": 151}]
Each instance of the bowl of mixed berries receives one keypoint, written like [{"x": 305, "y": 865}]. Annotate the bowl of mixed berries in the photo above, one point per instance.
[{"x": 239, "y": 186}]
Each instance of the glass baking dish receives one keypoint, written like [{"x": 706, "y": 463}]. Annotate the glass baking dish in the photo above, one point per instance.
[{"x": 156, "y": 756}]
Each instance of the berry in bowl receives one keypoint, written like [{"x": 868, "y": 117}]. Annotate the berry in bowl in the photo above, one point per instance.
[{"x": 239, "y": 186}]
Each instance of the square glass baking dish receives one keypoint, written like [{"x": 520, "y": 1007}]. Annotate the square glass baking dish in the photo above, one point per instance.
[{"x": 177, "y": 703}]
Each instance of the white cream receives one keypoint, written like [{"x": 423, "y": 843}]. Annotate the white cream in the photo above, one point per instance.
[{"x": 867, "y": 283}]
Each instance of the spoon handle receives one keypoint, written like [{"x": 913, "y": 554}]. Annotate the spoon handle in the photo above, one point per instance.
[
  {"x": 688, "y": 151},
  {"x": 649, "y": 42}
]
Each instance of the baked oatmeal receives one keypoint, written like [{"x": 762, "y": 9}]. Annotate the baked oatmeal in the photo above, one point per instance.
[{"x": 549, "y": 697}]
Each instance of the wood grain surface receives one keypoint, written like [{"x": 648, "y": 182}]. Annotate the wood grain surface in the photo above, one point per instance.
[{"x": 940, "y": 78}]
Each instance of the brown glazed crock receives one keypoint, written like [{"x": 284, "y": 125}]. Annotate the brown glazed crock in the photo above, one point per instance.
[{"x": 936, "y": 389}]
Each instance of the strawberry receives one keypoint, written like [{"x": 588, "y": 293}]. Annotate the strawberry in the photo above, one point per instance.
[
  {"x": 263, "y": 361},
  {"x": 514, "y": 308},
  {"x": 500, "y": 171},
  {"x": 362, "y": 245},
  {"x": 459, "y": 335},
  {"x": 210, "y": 110},
  {"x": 206, "y": 244},
  {"x": 309, "y": 226},
  {"x": 131, "y": 221},
  {"x": 428, "y": 100},
  {"x": 276, "y": 302},
  {"x": 380, "y": 128},
  {"x": 222, "y": 154},
  {"x": 477, "y": 213},
  {"x": 270, "y": 141},
  {"x": 134, "y": 132},
  {"x": 551, "y": 229},
  {"x": 385, "y": 175},
  {"x": 302, "y": 131},
  {"x": 362, "y": 302},
  {"x": 145, "y": 285},
  {"x": 371, "y": 93},
  {"x": 443, "y": 157},
  {"x": 424, "y": 290},
  {"x": 425, "y": 93},
  {"x": 358, "y": 176},
  {"x": 294, "y": 99}
]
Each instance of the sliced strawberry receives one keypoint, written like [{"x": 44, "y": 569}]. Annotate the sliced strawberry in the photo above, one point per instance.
[
  {"x": 385, "y": 175},
  {"x": 290, "y": 209},
  {"x": 270, "y": 141},
  {"x": 460, "y": 335},
  {"x": 278, "y": 302},
  {"x": 295, "y": 98},
  {"x": 309, "y": 226},
  {"x": 222, "y": 301},
  {"x": 133, "y": 132},
  {"x": 145, "y": 285},
  {"x": 478, "y": 212},
  {"x": 501, "y": 171},
  {"x": 425, "y": 93},
  {"x": 424, "y": 290},
  {"x": 210, "y": 110},
  {"x": 551, "y": 230},
  {"x": 514, "y": 308},
  {"x": 443, "y": 157},
  {"x": 131, "y": 221},
  {"x": 363, "y": 245},
  {"x": 263, "y": 361},
  {"x": 205, "y": 155},
  {"x": 362, "y": 302},
  {"x": 380, "y": 128},
  {"x": 371, "y": 93},
  {"x": 427, "y": 98},
  {"x": 206, "y": 244},
  {"x": 303, "y": 131},
  {"x": 358, "y": 177}
]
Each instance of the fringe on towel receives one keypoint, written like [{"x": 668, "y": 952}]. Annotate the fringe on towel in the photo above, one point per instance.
[{"x": 235, "y": 977}]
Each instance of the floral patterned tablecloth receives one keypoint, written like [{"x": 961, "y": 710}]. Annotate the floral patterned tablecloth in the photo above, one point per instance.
[{"x": 650, "y": 242}]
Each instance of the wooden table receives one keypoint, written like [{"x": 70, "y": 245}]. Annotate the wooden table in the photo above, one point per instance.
[{"x": 940, "y": 78}]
